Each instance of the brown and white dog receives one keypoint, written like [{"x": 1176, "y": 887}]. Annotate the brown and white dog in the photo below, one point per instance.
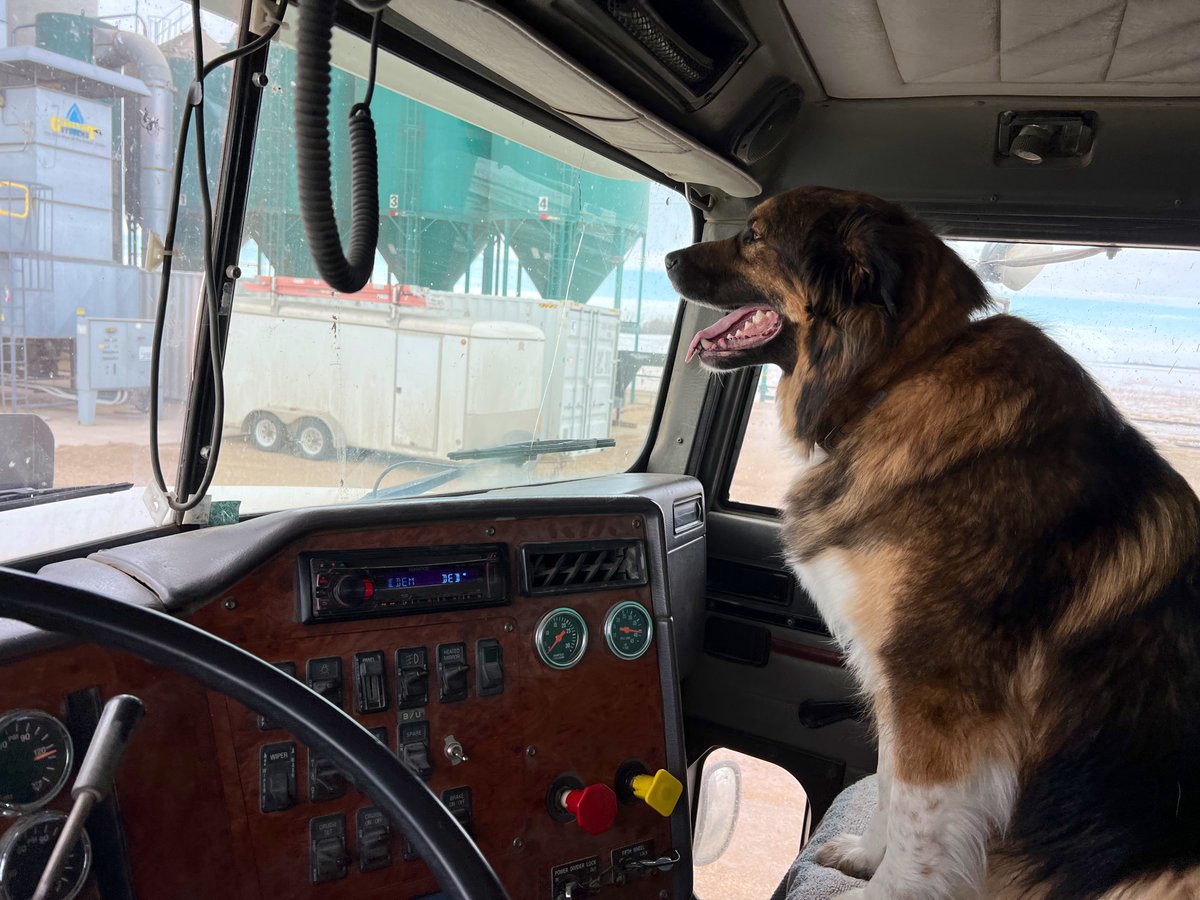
[{"x": 1012, "y": 569}]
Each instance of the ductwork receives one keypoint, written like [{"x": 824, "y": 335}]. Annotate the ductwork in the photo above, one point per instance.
[{"x": 149, "y": 121}]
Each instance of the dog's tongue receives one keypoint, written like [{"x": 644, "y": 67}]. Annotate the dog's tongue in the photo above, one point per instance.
[{"x": 717, "y": 329}]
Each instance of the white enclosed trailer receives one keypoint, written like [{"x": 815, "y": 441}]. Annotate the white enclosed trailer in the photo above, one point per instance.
[{"x": 368, "y": 375}]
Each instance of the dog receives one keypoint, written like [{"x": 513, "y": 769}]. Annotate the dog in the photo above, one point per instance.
[{"x": 1012, "y": 570}]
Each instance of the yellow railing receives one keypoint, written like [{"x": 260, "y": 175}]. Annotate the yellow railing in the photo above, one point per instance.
[{"x": 24, "y": 213}]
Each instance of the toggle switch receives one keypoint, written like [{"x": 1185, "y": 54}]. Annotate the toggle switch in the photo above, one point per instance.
[
  {"x": 454, "y": 750},
  {"x": 277, "y": 777},
  {"x": 327, "y": 857},
  {"x": 374, "y": 839},
  {"x": 325, "y": 782}
]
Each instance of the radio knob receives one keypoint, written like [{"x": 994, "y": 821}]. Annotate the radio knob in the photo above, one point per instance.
[{"x": 351, "y": 590}]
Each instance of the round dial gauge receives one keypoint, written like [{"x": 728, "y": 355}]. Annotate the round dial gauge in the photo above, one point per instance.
[
  {"x": 561, "y": 638},
  {"x": 35, "y": 759},
  {"x": 628, "y": 629},
  {"x": 25, "y": 849}
]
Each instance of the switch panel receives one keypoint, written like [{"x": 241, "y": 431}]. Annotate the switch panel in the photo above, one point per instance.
[
  {"x": 452, "y": 672},
  {"x": 324, "y": 781},
  {"x": 277, "y": 777},
  {"x": 287, "y": 668},
  {"x": 489, "y": 667},
  {"x": 414, "y": 748},
  {"x": 374, "y": 839},
  {"x": 370, "y": 682},
  {"x": 458, "y": 801},
  {"x": 327, "y": 848},
  {"x": 412, "y": 677},
  {"x": 380, "y": 734},
  {"x": 325, "y": 677}
]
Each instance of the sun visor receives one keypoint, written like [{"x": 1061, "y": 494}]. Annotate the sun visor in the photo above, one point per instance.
[{"x": 522, "y": 59}]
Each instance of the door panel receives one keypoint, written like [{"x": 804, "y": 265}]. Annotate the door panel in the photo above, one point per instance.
[{"x": 765, "y": 653}]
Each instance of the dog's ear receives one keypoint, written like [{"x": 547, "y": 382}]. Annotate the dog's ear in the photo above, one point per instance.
[{"x": 852, "y": 261}]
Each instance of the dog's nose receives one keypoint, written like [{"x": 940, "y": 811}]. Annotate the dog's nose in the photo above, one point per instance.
[{"x": 672, "y": 259}]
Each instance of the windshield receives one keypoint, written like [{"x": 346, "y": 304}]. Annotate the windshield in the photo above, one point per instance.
[
  {"x": 515, "y": 328},
  {"x": 92, "y": 93}
]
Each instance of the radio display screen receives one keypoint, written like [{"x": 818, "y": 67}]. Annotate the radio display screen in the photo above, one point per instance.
[{"x": 458, "y": 574}]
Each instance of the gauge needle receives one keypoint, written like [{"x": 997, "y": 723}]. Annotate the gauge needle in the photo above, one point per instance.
[
  {"x": 558, "y": 639},
  {"x": 625, "y": 629},
  {"x": 45, "y": 754}
]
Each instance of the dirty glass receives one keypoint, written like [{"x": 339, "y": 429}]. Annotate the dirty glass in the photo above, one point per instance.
[
  {"x": 515, "y": 328},
  {"x": 1130, "y": 315},
  {"x": 92, "y": 95}
]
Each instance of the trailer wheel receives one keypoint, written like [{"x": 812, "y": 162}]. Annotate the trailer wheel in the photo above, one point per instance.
[
  {"x": 267, "y": 432},
  {"x": 313, "y": 439}
]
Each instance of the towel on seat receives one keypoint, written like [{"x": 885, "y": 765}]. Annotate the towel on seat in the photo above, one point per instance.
[{"x": 850, "y": 812}]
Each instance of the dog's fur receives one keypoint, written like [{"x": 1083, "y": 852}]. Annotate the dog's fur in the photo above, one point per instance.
[{"x": 1013, "y": 570}]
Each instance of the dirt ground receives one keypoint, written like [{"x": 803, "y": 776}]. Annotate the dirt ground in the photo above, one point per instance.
[
  {"x": 116, "y": 448},
  {"x": 765, "y": 466},
  {"x": 766, "y": 837}
]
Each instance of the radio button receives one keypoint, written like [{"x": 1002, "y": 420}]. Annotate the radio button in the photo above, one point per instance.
[{"x": 412, "y": 677}]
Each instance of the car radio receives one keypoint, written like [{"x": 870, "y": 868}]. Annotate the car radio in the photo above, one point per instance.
[{"x": 367, "y": 584}]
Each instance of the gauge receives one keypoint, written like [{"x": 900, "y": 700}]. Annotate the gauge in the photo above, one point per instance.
[
  {"x": 561, "y": 638},
  {"x": 35, "y": 759},
  {"x": 25, "y": 849},
  {"x": 628, "y": 629}
]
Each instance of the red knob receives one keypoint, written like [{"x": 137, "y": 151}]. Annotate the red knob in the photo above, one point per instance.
[{"x": 594, "y": 807}]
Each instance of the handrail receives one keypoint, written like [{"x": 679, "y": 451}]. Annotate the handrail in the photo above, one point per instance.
[{"x": 24, "y": 214}]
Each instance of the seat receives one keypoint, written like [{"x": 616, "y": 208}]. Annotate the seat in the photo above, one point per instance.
[{"x": 850, "y": 812}]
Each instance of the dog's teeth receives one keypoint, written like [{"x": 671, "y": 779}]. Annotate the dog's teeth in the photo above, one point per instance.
[
  {"x": 705, "y": 343},
  {"x": 759, "y": 316}
]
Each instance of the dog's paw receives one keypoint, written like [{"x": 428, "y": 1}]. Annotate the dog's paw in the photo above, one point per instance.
[{"x": 848, "y": 854}]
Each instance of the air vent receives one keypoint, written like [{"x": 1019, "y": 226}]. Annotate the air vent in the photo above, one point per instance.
[{"x": 575, "y": 567}]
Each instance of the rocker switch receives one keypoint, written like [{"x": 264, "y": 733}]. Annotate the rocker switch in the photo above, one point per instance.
[
  {"x": 414, "y": 748},
  {"x": 370, "y": 682},
  {"x": 327, "y": 856},
  {"x": 412, "y": 677},
  {"x": 489, "y": 667},
  {"x": 325, "y": 677},
  {"x": 452, "y": 672}
]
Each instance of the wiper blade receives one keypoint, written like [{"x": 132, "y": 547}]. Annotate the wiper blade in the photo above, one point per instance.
[
  {"x": 527, "y": 450},
  {"x": 16, "y": 498}
]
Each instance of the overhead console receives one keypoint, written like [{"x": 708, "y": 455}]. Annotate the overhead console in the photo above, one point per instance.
[{"x": 518, "y": 653}]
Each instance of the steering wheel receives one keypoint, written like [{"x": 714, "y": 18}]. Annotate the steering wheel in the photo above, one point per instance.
[{"x": 158, "y": 638}]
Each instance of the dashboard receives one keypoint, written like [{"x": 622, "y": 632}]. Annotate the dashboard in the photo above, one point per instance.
[{"x": 518, "y": 651}]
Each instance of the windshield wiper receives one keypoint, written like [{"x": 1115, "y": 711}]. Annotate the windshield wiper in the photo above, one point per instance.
[
  {"x": 16, "y": 498},
  {"x": 529, "y": 450}
]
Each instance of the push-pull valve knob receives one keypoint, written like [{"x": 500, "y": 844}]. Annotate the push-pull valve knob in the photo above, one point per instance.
[{"x": 594, "y": 807}]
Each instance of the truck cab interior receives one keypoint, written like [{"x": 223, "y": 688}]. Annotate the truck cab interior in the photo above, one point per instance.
[{"x": 365, "y": 530}]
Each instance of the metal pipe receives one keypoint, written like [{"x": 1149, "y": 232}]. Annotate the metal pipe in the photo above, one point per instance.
[{"x": 148, "y": 126}]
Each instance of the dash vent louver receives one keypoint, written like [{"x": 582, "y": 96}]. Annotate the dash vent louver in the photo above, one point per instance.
[{"x": 575, "y": 567}]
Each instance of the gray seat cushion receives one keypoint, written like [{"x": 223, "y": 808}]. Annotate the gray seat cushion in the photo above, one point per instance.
[{"x": 850, "y": 812}]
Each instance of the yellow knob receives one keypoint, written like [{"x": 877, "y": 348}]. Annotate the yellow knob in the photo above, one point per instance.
[{"x": 660, "y": 791}]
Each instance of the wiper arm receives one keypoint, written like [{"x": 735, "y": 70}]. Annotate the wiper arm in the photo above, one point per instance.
[
  {"x": 528, "y": 450},
  {"x": 16, "y": 498}
]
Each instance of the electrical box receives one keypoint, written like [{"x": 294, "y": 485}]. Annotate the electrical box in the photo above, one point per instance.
[{"x": 113, "y": 354}]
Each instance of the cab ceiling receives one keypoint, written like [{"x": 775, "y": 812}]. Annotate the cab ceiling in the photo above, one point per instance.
[{"x": 1084, "y": 48}]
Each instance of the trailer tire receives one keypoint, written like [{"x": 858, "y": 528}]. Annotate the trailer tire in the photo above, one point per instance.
[
  {"x": 267, "y": 432},
  {"x": 313, "y": 439}
]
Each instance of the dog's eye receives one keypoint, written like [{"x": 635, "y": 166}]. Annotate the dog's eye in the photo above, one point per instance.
[{"x": 753, "y": 234}]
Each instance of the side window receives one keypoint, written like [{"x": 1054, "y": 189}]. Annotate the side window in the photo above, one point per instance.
[{"x": 1131, "y": 315}]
